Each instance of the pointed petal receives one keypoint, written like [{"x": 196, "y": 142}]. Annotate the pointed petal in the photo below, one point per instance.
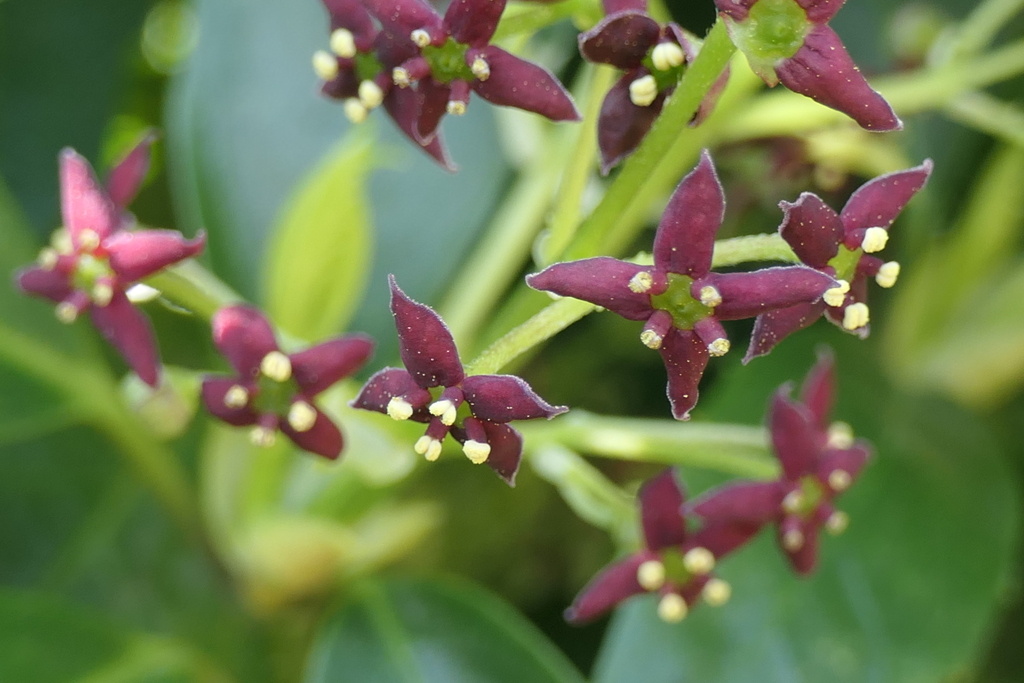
[
  {"x": 126, "y": 177},
  {"x": 323, "y": 438},
  {"x": 215, "y": 389},
  {"x": 517, "y": 83},
  {"x": 745, "y": 295},
  {"x": 402, "y": 105},
  {"x": 244, "y": 337},
  {"x": 622, "y": 125},
  {"x": 425, "y": 342},
  {"x": 506, "y": 450},
  {"x": 620, "y": 39},
  {"x": 806, "y": 558},
  {"x": 722, "y": 539},
  {"x": 603, "y": 281},
  {"x": 752, "y": 502},
  {"x": 49, "y": 283},
  {"x": 858, "y": 294},
  {"x": 472, "y": 22},
  {"x": 84, "y": 204},
  {"x": 685, "y": 357},
  {"x": 818, "y": 391},
  {"x": 820, "y": 11},
  {"x": 611, "y": 586},
  {"x": 503, "y": 398},
  {"x": 404, "y": 16},
  {"x": 822, "y": 70},
  {"x": 384, "y": 386},
  {"x": 351, "y": 15},
  {"x": 795, "y": 436},
  {"x": 772, "y": 327},
  {"x": 433, "y": 105},
  {"x": 320, "y": 366},
  {"x": 139, "y": 254},
  {"x": 129, "y": 331},
  {"x": 661, "y": 500},
  {"x": 686, "y": 233},
  {"x": 878, "y": 202},
  {"x": 613, "y": 6},
  {"x": 812, "y": 228},
  {"x": 850, "y": 460}
]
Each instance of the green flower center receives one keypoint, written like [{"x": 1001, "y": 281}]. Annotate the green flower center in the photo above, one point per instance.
[
  {"x": 773, "y": 30},
  {"x": 273, "y": 396},
  {"x": 448, "y": 62},
  {"x": 367, "y": 66},
  {"x": 811, "y": 494},
  {"x": 680, "y": 304},
  {"x": 845, "y": 263},
  {"x": 89, "y": 269}
]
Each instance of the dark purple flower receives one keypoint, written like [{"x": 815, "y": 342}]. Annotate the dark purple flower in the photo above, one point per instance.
[
  {"x": 674, "y": 563},
  {"x": 357, "y": 70},
  {"x": 840, "y": 245},
  {"x": 96, "y": 257},
  {"x": 789, "y": 41},
  {"x": 273, "y": 390},
  {"x": 435, "y": 390},
  {"x": 654, "y": 58},
  {"x": 819, "y": 461},
  {"x": 682, "y": 302},
  {"x": 455, "y": 57}
]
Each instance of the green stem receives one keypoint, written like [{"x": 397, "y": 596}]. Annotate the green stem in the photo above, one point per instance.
[
  {"x": 982, "y": 25},
  {"x": 191, "y": 286},
  {"x": 983, "y": 112},
  {"x": 527, "y": 18},
  {"x": 765, "y": 247}
]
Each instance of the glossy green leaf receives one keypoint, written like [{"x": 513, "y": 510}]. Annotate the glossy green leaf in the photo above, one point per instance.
[{"x": 432, "y": 632}]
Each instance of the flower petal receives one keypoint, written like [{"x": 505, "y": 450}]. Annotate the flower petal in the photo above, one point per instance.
[
  {"x": 850, "y": 460},
  {"x": 820, "y": 11},
  {"x": 622, "y": 125},
  {"x": 736, "y": 9},
  {"x": 812, "y": 228},
  {"x": 661, "y": 500},
  {"x": 503, "y": 398},
  {"x": 613, "y": 6},
  {"x": 506, "y": 450},
  {"x": 433, "y": 105},
  {"x": 612, "y": 585},
  {"x": 129, "y": 331},
  {"x": 49, "y": 283},
  {"x": 621, "y": 39},
  {"x": 721, "y": 539},
  {"x": 858, "y": 294},
  {"x": 352, "y": 15},
  {"x": 402, "y": 17},
  {"x": 402, "y": 105},
  {"x": 323, "y": 438},
  {"x": 139, "y": 254},
  {"x": 818, "y": 390},
  {"x": 685, "y": 357},
  {"x": 215, "y": 389},
  {"x": 878, "y": 202},
  {"x": 472, "y": 22},
  {"x": 745, "y": 295},
  {"x": 320, "y": 366},
  {"x": 603, "y": 281},
  {"x": 384, "y": 386},
  {"x": 126, "y": 177},
  {"x": 822, "y": 70},
  {"x": 517, "y": 83},
  {"x": 772, "y": 327},
  {"x": 425, "y": 342},
  {"x": 686, "y": 234},
  {"x": 795, "y": 436},
  {"x": 805, "y": 558},
  {"x": 244, "y": 337},
  {"x": 84, "y": 204},
  {"x": 752, "y": 502}
]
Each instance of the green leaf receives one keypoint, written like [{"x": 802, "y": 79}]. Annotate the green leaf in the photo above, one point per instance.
[
  {"x": 433, "y": 632},
  {"x": 318, "y": 258}
]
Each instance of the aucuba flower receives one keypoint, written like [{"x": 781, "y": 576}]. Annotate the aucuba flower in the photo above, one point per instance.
[
  {"x": 654, "y": 58},
  {"x": 681, "y": 300},
  {"x": 841, "y": 245},
  {"x": 674, "y": 563},
  {"x": 820, "y": 459},
  {"x": 455, "y": 57},
  {"x": 357, "y": 70},
  {"x": 274, "y": 391},
  {"x": 434, "y": 389},
  {"x": 789, "y": 41},
  {"x": 97, "y": 256}
]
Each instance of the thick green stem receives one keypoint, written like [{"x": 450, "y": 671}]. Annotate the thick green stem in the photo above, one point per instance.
[
  {"x": 766, "y": 247},
  {"x": 983, "y": 112},
  {"x": 982, "y": 25},
  {"x": 529, "y": 17},
  {"x": 191, "y": 286}
]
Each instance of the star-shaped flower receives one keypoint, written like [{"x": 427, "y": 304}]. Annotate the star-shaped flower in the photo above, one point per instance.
[
  {"x": 789, "y": 41},
  {"x": 819, "y": 461},
  {"x": 276, "y": 391},
  {"x": 357, "y": 70},
  {"x": 435, "y": 390},
  {"x": 97, "y": 256},
  {"x": 654, "y": 58},
  {"x": 456, "y": 57},
  {"x": 674, "y": 563},
  {"x": 841, "y": 245},
  {"x": 682, "y": 302}
]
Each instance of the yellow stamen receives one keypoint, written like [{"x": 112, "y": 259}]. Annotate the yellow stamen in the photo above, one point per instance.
[
  {"x": 401, "y": 77},
  {"x": 456, "y": 107},
  {"x": 641, "y": 283},
  {"x": 793, "y": 501},
  {"x": 343, "y": 43},
  {"x": 48, "y": 258},
  {"x": 717, "y": 592},
  {"x": 643, "y": 91},
  {"x": 856, "y": 316},
  {"x": 102, "y": 293},
  {"x": 666, "y": 56},
  {"x": 887, "y": 274},
  {"x": 354, "y": 110},
  {"x": 710, "y": 296},
  {"x": 651, "y": 339},
  {"x": 236, "y": 397},
  {"x": 262, "y": 437},
  {"x": 793, "y": 540},
  {"x": 837, "y": 522},
  {"x": 476, "y": 452},
  {"x": 480, "y": 68},
  {"x": 874, "y": 240},
  {"x": 301, "y": 416},
  {"x": 325, "y": 65},
  {"x": 88, "y": 240},
  {"x": 420, "y": 38},
  {"x": 699, "y": 561},
  {"x": 719, "y": 347},
  {"x": 400, "y": 409},
  {"x": 66, "y": 313},
  {"x": 839, "y": 480},
  {"x": 672, "y": 608},
  {"x": 445, "y": 410},
  {"x": 276, "y": 366},
  {"x": 835, "y": 296},
  {"x": 840, "y": 435},
  {"x": 650, "y": 575},
  {"x": 370, "y": 95}
]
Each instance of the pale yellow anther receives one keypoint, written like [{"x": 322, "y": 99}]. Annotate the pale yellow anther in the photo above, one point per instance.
[
  {"x": 236, "y": 397},
  {"x": 262, "y": 437},
  {"x": 835, "y": 296},
  {"x": 400, "y": 409},
  {"x": 456, "y": 107},
  {"x": 301, "y": 416},
  {"x": 370, "y": 95},
  {"x": 476, "y": 451},
  {"x": 667, "y": 56},
  {"x": 837, "y": 522},
  {"x": 856, "y": 316},
  {"x": 840, "y": 435},
  {"x": 643, "y": 91},
  {"x": 276, "y": 366},
  {"x": 422, "y": 444},
  {"x": 793, "y": 501},
  {"x": 874, "y": 240},
  {"x": 650, "y": 575},
  {"x": 48, "y": 258},
  {"x": 61, "y": 241},
  {"x": 839, "y": 480},
  {"x": 793, "y": 540},
  {"x": 88, "y": 240},
  {"x": 445, "y": 410},
  {"x": 672, "y": 608},
  {"x": 717, "y": 592},
  {"x": 719, "y": 347},
  {"x": 428, "y": 447},
  {"x": 354, "y": 110},
  {"x": 480, "y": 68},
  {"x": 888, "y": 274},
  {"x": 710, "y": 296},
  {"x": 325, "y": 65},
  {"x": 102, "y": 293},
  {"x": 66, "y": 313},
  {"x": 699, "y": 561},
  {"x": 651, "y": 339},
  {"x": 641, "y": 283},
  {"x": 343, "y": 43},
  {"x": 401, "y": 77},
  {"x": 420, "y": 38}
]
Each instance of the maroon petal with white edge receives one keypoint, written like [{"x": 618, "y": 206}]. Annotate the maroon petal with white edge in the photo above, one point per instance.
[
  {"x": 503, "y": 398},
  {"x": 352, "y": 16},
  {"x": 506, "y": 450},
  {"x": 818, "y": 390},
  {"x": 795, "y": 436},
  {"x": 320, "y": 366},
  {"x": 244, "y": 337},
  {"x": 613, "y": 6},
  {"x": 402, "y": 105},
  {"x": 812, "y": 229},
  {"x": 614, "y": 584},
  {"x": 405, "y": 16},
  {"x": 822, "y": 70},
  {"x": 214, "y": 392},
  {"x": 387, "y": 384},
  {"x": 685, "y": 357},
  {"x": 323, "y": 438},
  {"x": 661, "y": 500},
  {"x": 850, "y": 460},
  {"x": 126, "y": 177},
  {"x": 52, "y": 284},
  {"x": 735, "y": 9},
  {"x": 877, "y": 203},
  {"x": 622, "y": 125},
  {"x": 723, "y": 538},
  {"x": 425, "y": 342},
  {"x": 433, "y": 105},
  {"x": 472, "y": 22},
  {"x": 517, "y": 83},
  {"x": 135, "y": 255},
  {"x": 686, "y": 234},
  {"x": 752, "y": 502},
  {"x": 622, "y": 40},
  {"x": 820, "y": 11},
  {"x": 129, "y": 331},
  {"x": 603, "y": 281},
  {"x": 804, "y": 558},
  {"x": 772, "y": 327},
  {"x": 745, "y": 295},
  {"x": 84, "y": 205}
]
